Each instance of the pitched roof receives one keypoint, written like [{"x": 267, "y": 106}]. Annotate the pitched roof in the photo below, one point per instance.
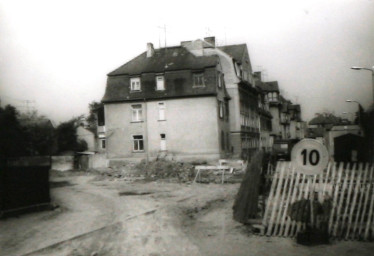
[
  {"x": 236, "y": 51},
  {"x": 269, "y": 86},
  {"x": 165, "y": 59},
  {"x": 316, "y": 132}
]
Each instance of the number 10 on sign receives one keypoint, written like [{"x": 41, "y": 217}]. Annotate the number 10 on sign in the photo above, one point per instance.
[{"x": 309, "y": 156}]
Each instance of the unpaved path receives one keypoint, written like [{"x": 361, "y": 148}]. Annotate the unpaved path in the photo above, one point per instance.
[{"x": 154, "y": 218}]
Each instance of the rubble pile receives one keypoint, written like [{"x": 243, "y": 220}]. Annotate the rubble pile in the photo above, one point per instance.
[
  {"x": 126, "y": 172},
  {"x": 163, "y": 169}
]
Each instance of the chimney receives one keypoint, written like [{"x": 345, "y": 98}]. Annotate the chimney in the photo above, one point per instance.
[
  {"x": 150, "y": 50},
  {"x": 211, "y": 40}
]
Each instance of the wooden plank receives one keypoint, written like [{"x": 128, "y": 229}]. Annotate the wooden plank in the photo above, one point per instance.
[
  {"x": 340, "y": 203},
  {"x": 312, "y": 194},
  {"x": 368, "y": 223},
  {"x": 300, "y": 225},
  {"x": 282, "y": 206},
  {"x": 279, "y": 208},
  {"x": 290, "y": 188},
  {"x": 354, "y": 199},
  {"x": 368, "y": 183},
  {"x": 347, "y": 201},
  {"x": 270, "y": 198},
  {"x": 300, "y": 191},
  {"x": 361, "y": 190},
  {"x": 326, "y": 180},
  {"x": 276, "y": 199},
  {"x": 294, "y": 191},
  {"x": 367, "y": 195},
  {"x": 336, "y": 184}
]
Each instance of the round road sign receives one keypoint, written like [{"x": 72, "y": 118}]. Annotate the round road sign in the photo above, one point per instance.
[{"x": 309, "y": 156}]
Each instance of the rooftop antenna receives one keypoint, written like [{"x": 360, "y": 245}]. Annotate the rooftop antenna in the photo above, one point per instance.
[
  {"x": 164, "y": 28},
  {"x": 264, "y": 75},
  {"x": 208, "y": 32}
]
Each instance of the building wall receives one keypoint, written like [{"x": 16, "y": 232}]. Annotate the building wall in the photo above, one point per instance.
[
  {"x": 192, "y": 129},
  {"x": 240, "y": 136},
  {"x": 275, "y": 121}
]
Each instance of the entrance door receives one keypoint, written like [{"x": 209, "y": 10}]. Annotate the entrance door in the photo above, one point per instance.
[{"x": 163, "y": 142}]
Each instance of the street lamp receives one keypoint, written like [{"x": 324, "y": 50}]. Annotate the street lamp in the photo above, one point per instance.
[{"x": 372, "y": 74}]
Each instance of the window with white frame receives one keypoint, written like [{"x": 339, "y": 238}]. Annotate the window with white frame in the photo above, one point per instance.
[
  {"x": 273, "y": 96},
  {"x": 135, "y": 84},
  {"x": 102, "y": 143},
  {"x": 137, "y": 112},
  {"x": 160, "y": 83},
  {"x": 198, "y": 80},
  {"x": 138, "y": 143},
  {"x": 161, "y": 111},
  {"x": 221, "y": 109},
  {"x": 220, "y": 78}
]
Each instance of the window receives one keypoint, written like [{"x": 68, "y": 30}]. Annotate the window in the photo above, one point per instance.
[
  {"x": 227, "y": 110},
  {"x": 222, "y": 140},
  {"x": 198, "y": 80},
  {"x": 221, "y": 110},
  {"x": 161, "y": 111},
  {"x": 163, "y": 142},
  {"x": 102, "y": 144},
  {"x": 273, "y": 96},
  {"x": 135, "y": 84},
  {"x": 220, "y": 78},
  {"x": 138, "y": 143},
  {"x": 160, "y": 83},
  {"x": 136, "y": 112},
  {"x": 227, "y": 141}
]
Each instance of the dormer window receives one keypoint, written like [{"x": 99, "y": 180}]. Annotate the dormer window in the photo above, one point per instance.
[
  {"x": 160, "y": 83},
  {"x": 135, "y": 84},
  {"x": 273, "y": 96},
  {"x": 198, "y": 80}
]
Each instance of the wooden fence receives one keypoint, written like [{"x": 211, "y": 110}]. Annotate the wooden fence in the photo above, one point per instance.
[{"x": 345, "y": 193}]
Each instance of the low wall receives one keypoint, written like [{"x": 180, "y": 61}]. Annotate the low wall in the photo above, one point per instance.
[
  {"x": 62, "y": 163},
  {"x": 98, "y": 161}
]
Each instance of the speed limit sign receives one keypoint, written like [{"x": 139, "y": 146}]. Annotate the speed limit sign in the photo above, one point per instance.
[{"x": 309, "y": 156}]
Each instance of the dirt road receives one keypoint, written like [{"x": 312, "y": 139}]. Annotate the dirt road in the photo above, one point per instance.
[{"x": 145, "y": 218}]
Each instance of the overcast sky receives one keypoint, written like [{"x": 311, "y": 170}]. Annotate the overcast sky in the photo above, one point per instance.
[{"x": 57, "y": 53}]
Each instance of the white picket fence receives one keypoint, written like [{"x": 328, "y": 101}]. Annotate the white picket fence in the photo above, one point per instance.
[{"x": 350, "y": 190}]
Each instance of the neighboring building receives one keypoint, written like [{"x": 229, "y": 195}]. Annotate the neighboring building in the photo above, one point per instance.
[
  {"x": 243, "y": 106},
  {"x": 272, "y": 96},
  {"x": 170, "y": 102},
  {"x": 297, "y": 126},
  {"x": 100, "y": 131},
  {"x": 266, "y": 140},
  {"x": 337, "y": 131},
  {"x": 284, "y": 117}
]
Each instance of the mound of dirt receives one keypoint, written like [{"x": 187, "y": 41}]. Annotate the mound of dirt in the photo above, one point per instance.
[{"x": 163, "y": 169}]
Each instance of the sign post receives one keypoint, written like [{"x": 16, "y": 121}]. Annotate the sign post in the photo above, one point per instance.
[{"x": 310, "y": 157}]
